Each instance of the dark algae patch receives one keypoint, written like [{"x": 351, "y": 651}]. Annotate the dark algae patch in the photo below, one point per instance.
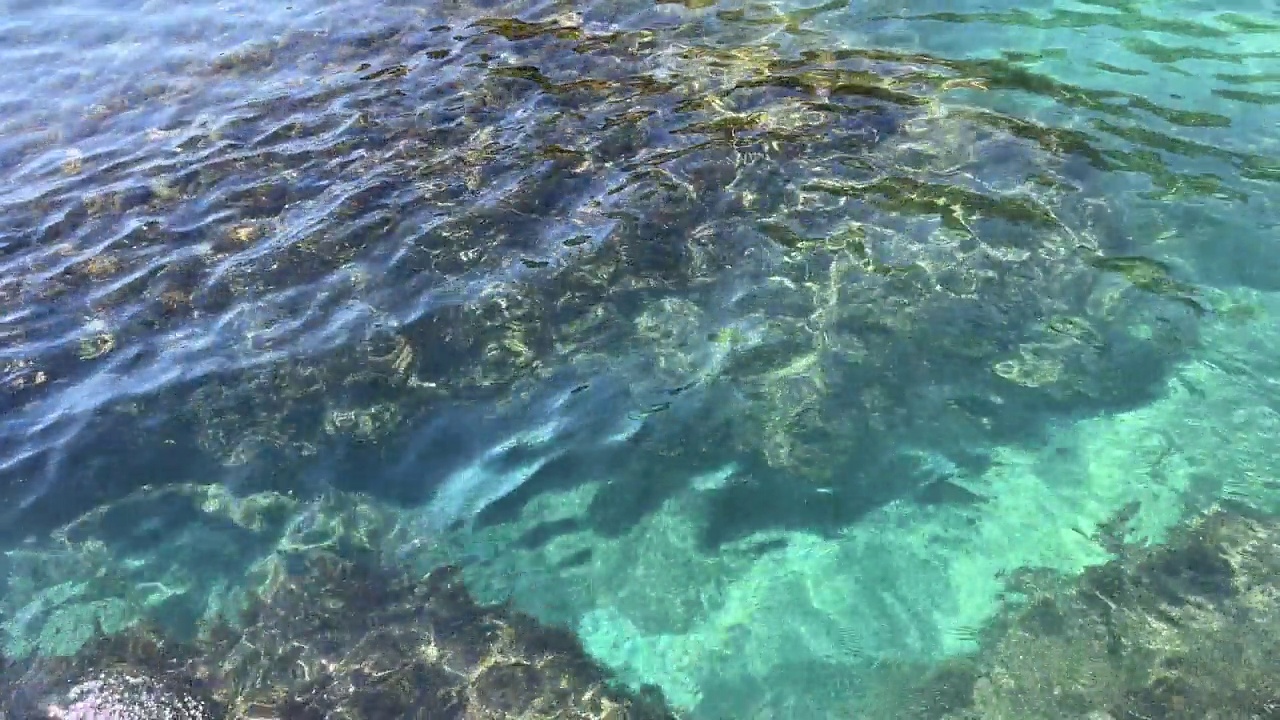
[
  {"x": 1183, "y": 630},
  {"x": 334, "y": 637},
  {"x": 451, "y": 218}
]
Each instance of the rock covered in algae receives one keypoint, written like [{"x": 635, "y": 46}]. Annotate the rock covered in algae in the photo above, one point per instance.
[
  {"x": 1180, "y": 631},
  {"x": 331, "y": 637},
  {"x": 655, "y": 175},
  {"x": 337, "y": 638},
  {"x": 132, "y": 675}
]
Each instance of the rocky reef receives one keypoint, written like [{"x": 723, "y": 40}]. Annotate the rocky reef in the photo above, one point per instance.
[
  {"x": 327, "y": 636},
  {"x": 1185, "y": 629},
  {"x": 799, "y": 252}
]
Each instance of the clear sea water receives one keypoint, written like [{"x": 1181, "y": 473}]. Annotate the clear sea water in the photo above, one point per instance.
[{"x": 757, "y": 342}]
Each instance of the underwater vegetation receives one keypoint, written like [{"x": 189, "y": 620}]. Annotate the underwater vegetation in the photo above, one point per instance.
[
  {"x": 1185, "y": 629},
  {"x": 332, "y": 637},
  {"x": 373, "y": 279}
]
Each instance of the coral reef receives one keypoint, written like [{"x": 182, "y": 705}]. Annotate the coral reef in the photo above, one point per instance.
[{"x": 1180, "y": 630}]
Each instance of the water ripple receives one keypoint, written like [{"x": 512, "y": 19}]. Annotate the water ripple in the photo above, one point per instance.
[{"x": 228, "y": 228}]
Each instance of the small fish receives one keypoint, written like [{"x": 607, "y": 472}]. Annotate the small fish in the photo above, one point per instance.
[{"x": 651, "y": 410}]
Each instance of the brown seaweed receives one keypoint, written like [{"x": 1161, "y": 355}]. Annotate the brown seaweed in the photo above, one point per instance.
[
  {"x": 802, "y": 207},
  {"x": 1185, "y": 629},
  {"x": 335, "y": 637}
]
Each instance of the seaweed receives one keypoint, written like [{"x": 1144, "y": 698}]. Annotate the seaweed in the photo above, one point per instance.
[
  {"x": 1185, "y": 629},
  {"x": 335, "y": 636},
  {"x": 781, "y": 231}
]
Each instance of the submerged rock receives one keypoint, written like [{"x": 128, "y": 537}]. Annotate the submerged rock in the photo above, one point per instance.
[
  {"x": 331, "y": 637},
  {"x": 119, "y": 696},
  {"x": 336, "y": 638},
  {"x": 396, "y": 269},
  {"x": 136, "y": 674},
  {"x": 1188, "y": 630}
]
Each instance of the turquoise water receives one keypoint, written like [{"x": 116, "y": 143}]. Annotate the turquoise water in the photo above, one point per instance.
[{"x": 786, "y": 355}]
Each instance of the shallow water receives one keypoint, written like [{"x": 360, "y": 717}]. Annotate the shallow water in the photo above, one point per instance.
[{"x": 758, "y": 343}]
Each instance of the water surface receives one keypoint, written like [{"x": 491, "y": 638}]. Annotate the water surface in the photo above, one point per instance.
[{"x": 653, "y": 315}]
